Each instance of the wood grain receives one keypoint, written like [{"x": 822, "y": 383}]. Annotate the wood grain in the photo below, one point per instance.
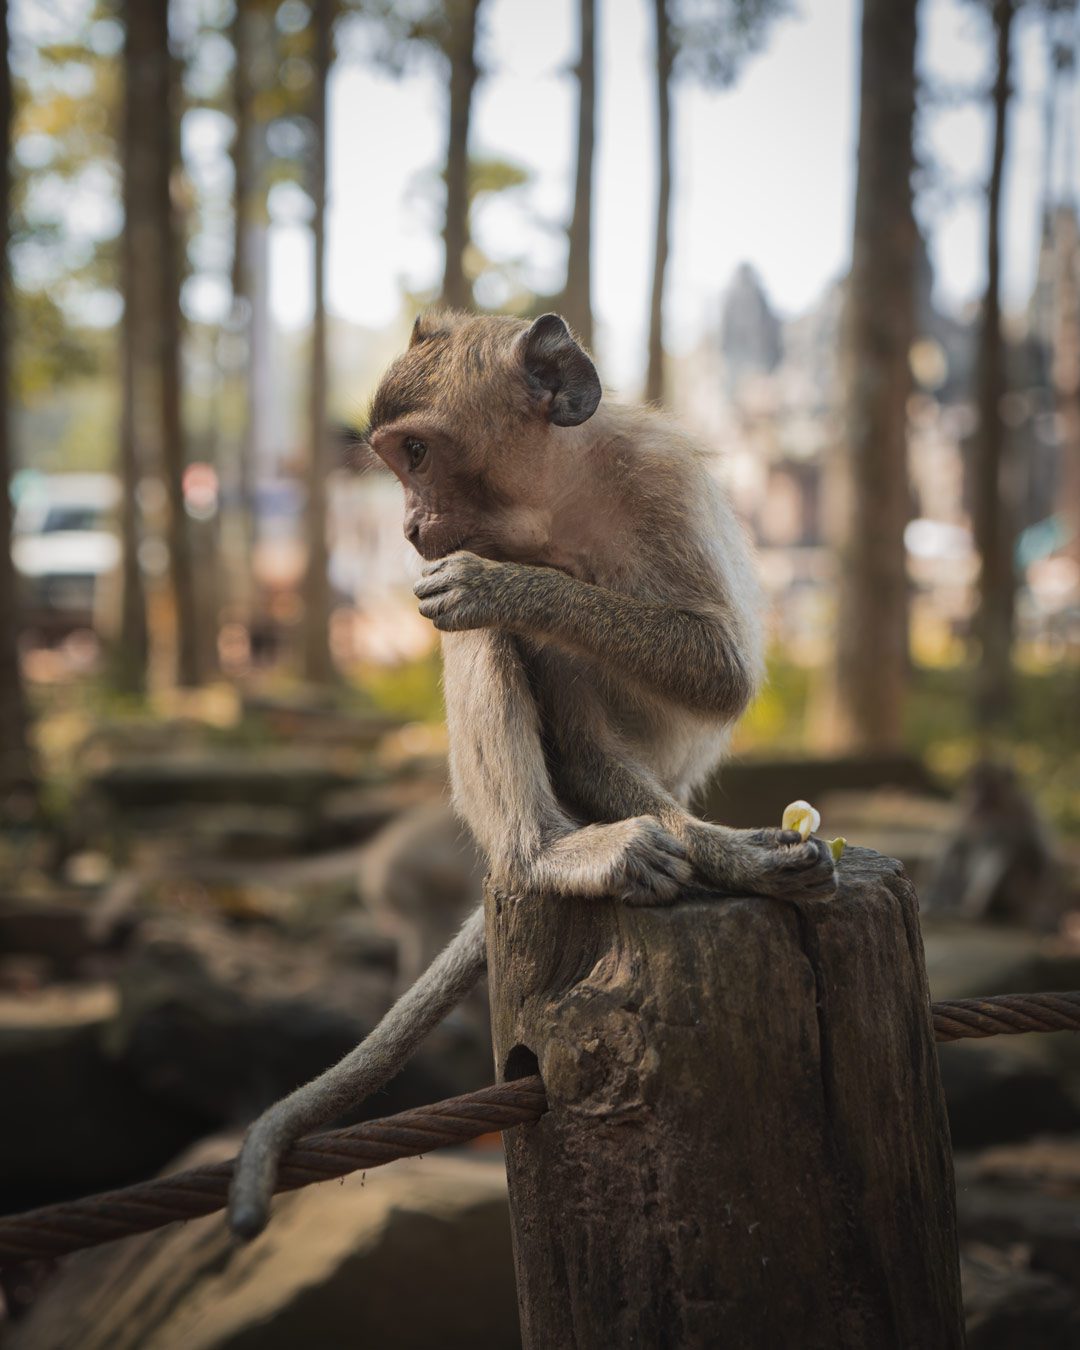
[{"x": 747, "y": 1142}]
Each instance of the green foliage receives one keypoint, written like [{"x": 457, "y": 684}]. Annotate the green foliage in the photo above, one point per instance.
[
  {"x": 412, "y": 690},
  {"x": 1043, "y": 741},
  {"x": 712, "y": 38},
  {"x": 63, "y": 146},
  {"x": 396, "y": 33},
  {"x": 51, "y": 351},
  {"x": 779, "y": 715},
  {"x": 488, "y": 175}
]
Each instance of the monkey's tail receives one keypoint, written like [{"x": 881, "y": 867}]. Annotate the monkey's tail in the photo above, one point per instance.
[{"x": 363, "y": 1070}]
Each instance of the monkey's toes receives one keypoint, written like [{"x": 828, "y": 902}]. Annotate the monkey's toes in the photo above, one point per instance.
[
  {"x": 773, "y": 837},
  {"x": 653, "y": 868},
  {"x": 806, "y": 870}
]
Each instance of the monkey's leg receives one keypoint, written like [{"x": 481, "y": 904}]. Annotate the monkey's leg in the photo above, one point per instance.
[
  {"x": 363, "y": 1070},
  {"x": 503, "y": 789},
  {"x": 597, "y": 774}
]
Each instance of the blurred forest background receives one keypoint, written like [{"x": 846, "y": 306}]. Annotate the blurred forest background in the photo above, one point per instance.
[
  {"x": 207, "y": 271},
  {"x": 839, "y": 242}
]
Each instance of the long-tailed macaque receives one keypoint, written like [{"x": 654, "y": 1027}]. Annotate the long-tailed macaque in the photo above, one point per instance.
[{"x": 601, "y": 633}]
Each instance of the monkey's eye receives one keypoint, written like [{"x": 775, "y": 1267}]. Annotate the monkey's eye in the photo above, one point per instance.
[{"x": 416, "y": 451}]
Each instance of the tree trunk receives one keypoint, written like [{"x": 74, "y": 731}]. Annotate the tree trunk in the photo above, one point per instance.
[
  {"x": 163, "y": 109},
  {"x": 137, "y": 241},
  {"x": 318, "y": 666},
  {"x": 1049, "y": 142},
  {"x": 17, "y": 793},
  {"x": 740, "y": 1150},
  {"x": 872, "y": 655},
  {"x": 577, "y": 297},
  {"x": 239, "y": 526},
  {"x": 665, "y": 57},
  {"x": 993, "y": 515},
  {"x": 1066, "y": 369},
  {"x": 461, "y": 53}
]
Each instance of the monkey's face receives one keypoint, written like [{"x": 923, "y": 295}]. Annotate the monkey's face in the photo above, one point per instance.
[
  {"x": 447, "y": 505},
  {"x": 469, "y": 419}
]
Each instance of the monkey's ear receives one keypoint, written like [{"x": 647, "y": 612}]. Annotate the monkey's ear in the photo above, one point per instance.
[
  {"x": 559, "y": 370},
  {"x": 418, "y": 332}
]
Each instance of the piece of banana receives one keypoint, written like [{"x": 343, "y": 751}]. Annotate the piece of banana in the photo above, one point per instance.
[{"x": 806, "y": 819}]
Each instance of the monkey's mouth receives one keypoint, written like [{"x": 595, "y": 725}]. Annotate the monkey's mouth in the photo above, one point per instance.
[{"x": 434, "y": 539}]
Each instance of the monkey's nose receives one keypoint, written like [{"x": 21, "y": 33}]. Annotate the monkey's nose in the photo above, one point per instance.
[{"x": 412, "y": 534}]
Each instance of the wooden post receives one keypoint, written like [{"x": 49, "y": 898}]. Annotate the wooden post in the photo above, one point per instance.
[{"x": 746, "y": 1144}]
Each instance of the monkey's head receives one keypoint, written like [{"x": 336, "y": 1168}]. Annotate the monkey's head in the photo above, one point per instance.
[{"x": 473, "y": 421}]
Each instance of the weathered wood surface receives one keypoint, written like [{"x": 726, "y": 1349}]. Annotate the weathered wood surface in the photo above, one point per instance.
[{"x": 747, "y": 1143}]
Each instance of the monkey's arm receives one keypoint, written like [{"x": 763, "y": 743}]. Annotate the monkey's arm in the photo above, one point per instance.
[
  {"x": 363, "y": 1070},
  {"x": 692, "y": 656}
]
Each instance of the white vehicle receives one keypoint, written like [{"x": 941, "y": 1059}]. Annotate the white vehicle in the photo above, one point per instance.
[{"x": 65, "y": 546}]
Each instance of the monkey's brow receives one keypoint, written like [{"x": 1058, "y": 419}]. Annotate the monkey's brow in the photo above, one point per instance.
[
  {"x": 356, "y": 434},
  {"x": 390, "y": 407}
]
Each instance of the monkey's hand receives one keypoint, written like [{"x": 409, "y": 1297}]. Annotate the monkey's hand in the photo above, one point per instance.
[
  {"x": 692, "y": 657},
  {"x": 464, "y": 591},
  {"x": 761, "y": 862}
]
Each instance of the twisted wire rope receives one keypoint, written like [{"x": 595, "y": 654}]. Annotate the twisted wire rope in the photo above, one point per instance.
[{"x": 54, "y": 1230}]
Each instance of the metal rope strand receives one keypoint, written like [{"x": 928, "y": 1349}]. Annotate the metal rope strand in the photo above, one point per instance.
[
  {"x": 1005, "y": 1015},
  {"x": 57, "y": 1229}
]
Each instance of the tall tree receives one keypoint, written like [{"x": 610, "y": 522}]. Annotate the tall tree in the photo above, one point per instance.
[
  {"x": 576, "y": 300},
  {"x": 461, "y": 17},
  {"x": 872, "y": 656},
  {"x": 665, "y": 62},
  {"x": 243, "y": 332},
  {"x": 317, "y": 662},
  {"x": 136, "y": 261},
  {"x": 1066, "y": 366},
  {"x": 152, "y": 81},
  {"x": 168, "y": 286},
  {"x": 16, "y": 775},
  {"x": 1061, "y": 233},
  {"x": 447, "y": 30},
  {"x": 705, "y": 40},
  {"x": 993, "y": 524}
]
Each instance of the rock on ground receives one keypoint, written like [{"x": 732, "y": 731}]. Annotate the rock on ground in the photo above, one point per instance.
[
  {"x": 71, "y": 1119},
  {"x": 1010, "y": 1307},
  {"x": 413, "y": 1256},
  {"x": 1017, "y": 1207}
]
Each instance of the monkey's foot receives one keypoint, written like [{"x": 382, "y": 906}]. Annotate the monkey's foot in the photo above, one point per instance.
[
  {"x": 636, "y": 861},
  {"x": 762, "y": 862}
]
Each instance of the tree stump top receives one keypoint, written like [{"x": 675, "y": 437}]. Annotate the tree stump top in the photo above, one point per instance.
[{"x": 746, "y": 1142}]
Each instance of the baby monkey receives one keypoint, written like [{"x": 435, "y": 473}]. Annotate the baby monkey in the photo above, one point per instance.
[{"x": 601, "y": 633}]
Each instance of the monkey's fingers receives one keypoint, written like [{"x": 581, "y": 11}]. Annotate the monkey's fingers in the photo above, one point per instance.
[
  {"x": 447, "y": 610},
  {"x": 457, "y": 610},
  {"x": 436, "y": 584}
]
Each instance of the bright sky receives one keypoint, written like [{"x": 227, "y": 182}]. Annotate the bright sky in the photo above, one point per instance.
[{"x": 764, "y": 172}]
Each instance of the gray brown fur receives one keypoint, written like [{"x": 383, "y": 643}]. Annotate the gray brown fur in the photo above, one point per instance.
[{"x": 601, "y": 634}]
